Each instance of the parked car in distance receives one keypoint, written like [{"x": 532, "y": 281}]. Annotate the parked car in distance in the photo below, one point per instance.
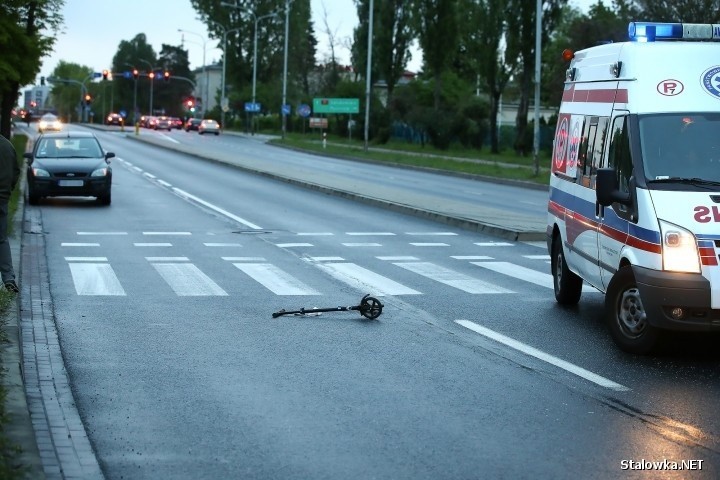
[
  {"x": 177, "y": 122},
  {"x": 209, "y": 126},
  {"x": 192, "y": 124},
  {"x": 49, "y": 123},
  {"x": 69, "y": 164},
  {"x": 163, "y": 123},
  {"x": 114, "y": 119}
]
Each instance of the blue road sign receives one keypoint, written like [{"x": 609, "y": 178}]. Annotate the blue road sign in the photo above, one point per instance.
[
  {"x": 127, "y": 74},
  {"x": 304, "y": 110},
  {"x": 286, "y": 109},
  {"x": 123, "y": 113},
  {"x": 97, "y": 74},
  {"x": 252, "y": 107}
]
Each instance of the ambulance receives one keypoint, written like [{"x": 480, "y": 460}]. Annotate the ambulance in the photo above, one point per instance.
[{"x": 634, "y": 203}]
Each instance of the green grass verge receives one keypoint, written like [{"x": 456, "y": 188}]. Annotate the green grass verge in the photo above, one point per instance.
[
  {"x": 504, "y": 165},
  {"x": 8, "y": 451}
]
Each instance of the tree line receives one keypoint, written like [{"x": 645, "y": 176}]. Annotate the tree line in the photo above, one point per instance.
[{"x": 468, "y": 46}]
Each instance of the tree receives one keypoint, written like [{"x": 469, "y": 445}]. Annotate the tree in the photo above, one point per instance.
[
  {"x": 438, "y": 32},
  {"x": 690, "y": 11},
  {"x": 392, "y": 35},
  {"x": 27, "y": 33},
  {"x": 521, "y": 37},
  {"x": 67, "y": 97}
]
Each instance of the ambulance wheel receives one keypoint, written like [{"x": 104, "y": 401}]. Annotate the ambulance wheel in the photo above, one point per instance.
[
  {"x": 568, "y": 286},
  {"x": 626, "y": 317}
]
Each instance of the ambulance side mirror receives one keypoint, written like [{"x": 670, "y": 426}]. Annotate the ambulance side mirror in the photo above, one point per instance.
[{"x": 606, "y": 188}]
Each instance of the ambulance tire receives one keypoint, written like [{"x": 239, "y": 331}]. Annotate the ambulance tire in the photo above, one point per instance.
[
  {"x": 626, "y": 317},
  {"x": 568, "y": 286}
]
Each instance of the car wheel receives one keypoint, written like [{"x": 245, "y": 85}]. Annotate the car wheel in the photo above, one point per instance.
[
  {"x": 217, "y": 133},
  {"x": 104, "y": 199},
  {"x": 626, "y": 317},
  {"x": 567, "y": 285}
]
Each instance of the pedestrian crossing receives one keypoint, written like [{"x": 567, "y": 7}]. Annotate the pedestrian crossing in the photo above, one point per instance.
[{"x": 409, "y": 275}]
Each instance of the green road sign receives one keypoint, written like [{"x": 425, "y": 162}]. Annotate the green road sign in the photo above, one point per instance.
[{"x": 336, "y": 105}]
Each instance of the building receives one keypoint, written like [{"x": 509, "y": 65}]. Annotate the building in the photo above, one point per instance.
[
  {"x": 208, "y": 82},
  {"x": 39, "y": 95}
]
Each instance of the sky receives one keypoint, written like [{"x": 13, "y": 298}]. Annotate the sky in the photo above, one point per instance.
[{"x": 93, "y": 30}]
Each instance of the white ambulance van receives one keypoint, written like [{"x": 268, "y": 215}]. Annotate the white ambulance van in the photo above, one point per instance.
[{"x": 634, "y": 206}]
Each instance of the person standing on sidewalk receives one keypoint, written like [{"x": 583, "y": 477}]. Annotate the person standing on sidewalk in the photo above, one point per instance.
[{"x": 9, "y": 175}]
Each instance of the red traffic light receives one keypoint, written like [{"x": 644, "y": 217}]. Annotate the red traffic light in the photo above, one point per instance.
[
  {"x": 151, "y": 75},
  {"x": 105, "y": 74},
  {"x": 166, "y": 76},
  {"x": 190, "y": 102},
  {"x": 88, "y": 99},
  {"x": 136, "y": 74}
]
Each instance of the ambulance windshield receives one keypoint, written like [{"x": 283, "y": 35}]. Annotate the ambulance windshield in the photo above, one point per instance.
[{"x": 681, "y": 146}]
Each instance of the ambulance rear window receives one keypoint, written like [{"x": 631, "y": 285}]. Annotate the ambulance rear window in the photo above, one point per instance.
[{"x": 680, "y": 145}]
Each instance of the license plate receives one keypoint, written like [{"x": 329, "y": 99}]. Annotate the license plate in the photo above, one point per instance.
[{"x": 70, "y": 183}]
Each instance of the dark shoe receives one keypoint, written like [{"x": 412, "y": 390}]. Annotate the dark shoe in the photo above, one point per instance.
[{"x": 12, "y": 286}]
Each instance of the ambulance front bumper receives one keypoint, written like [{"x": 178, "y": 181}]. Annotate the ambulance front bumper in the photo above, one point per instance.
[{"x": 663, "y": 293}]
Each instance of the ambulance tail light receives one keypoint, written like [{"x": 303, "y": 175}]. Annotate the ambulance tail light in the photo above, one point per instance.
[
  {"x": 652, "y": 31},
  {"x": 679, "y": 249}
]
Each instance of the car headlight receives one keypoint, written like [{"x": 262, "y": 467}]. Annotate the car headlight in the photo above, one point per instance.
[
  {"x": 39, "y": 172},
  {"x": 43, "y": 124},
  {"x": 679, "y": 249},
  {"x": 100, "y": 172}
]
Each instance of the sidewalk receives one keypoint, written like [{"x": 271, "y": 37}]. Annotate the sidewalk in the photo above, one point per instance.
[{"x": 469, "y": 216}]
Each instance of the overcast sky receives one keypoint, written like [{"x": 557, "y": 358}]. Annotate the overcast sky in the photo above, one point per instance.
[{"x": 94, "y": 29}]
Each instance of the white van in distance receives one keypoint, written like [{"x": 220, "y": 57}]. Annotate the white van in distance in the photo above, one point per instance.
[{"x": 634, "y": 207}]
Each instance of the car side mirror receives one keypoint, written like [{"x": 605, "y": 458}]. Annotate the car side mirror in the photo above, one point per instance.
[
  {"x": 29, "y": 156},
  {"x": 606, "y": 188},
  {"x": 108, "y": 156}
]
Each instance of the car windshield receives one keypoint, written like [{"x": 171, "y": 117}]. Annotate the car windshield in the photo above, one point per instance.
[
  {"x": 680, "y": 146},
  {"x": 68, "y": 147}
]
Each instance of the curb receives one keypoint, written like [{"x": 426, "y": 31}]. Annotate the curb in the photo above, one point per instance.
[{"x": 464, "y": 223}]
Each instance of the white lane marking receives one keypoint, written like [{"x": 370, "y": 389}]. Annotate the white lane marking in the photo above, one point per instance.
[
  {"x": 166, "y": 233},
  {"x": 153, "y": 244},
  {"x": 430, "y": 233},
  {"x": 365, "y": 280},
  {"x": 219, "y": 210},
  {"x": 369, "y": 233},
  {"x": 452, "y": 278},
  {"x": 471, "y": 257},
  {"x": 102, "y": 233},
  {"x": 287, "y": 245},
  {"x": 222, "y": 244},
  {"x": 166, "y": 259},
  {"x": 326, "y": 259},
  {"x": 70, "y": 244},
  {"x": 493, "y": 244},
  {"x": 128, "y": 163},
  {"x": 537, "y": 257},
  {"x": 169, "y": 139},
  {"x": 526, "y": 274},
  {"x": 275, "y": 279},
  {"x": 310, "y": 234},
  {"x": 540, "y": 355},
  {"x": 399, "y": 258},
  {"x": 421, "y": 244},
  {"x": 187, "y": 280},
  {"x": 164, "y": 183},
  {"x": 243, "y": 259},
  {"x": 149, "y": 175},
  {"x": 362, "y": 244},
  {"x": 138, "y": 169},
  {"x": 86, "y": 259},
  {"x": 95, "y": 279}
]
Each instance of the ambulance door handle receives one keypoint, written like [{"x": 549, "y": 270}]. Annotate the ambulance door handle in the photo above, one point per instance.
[{"x": 599, "y": 210}]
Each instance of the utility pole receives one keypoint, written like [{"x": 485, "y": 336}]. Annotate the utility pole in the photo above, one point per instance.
[
  {"x": 285, "y": 66},
  {"x": 538, "y": 59},
  {"x": 368, "y": 82}
]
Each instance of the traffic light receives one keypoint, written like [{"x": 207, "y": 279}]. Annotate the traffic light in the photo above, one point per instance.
[
  {"x": 88, "y": 99},
  {"x": 42, "y": 81},
  {"x": 151, "y": 75},
  {"x": 166, "y": 76},
  {"x": 190, "y": 102},
  {"x": 136, "y": 74},
  {"x": 33, "y": 104},
  {"x": 105, "y": 74}
]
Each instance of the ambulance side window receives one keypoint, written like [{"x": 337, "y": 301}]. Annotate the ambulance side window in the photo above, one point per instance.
[
  {"x": 599, "y": 144},
  {"x": 619, "y": 153},
  {"x": 586, "y": 149}
]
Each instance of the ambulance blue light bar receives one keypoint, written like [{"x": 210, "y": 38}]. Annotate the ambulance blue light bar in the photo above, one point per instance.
[{"x": 652, "y": 31}]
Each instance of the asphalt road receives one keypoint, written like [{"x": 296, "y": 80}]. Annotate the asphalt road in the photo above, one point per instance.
[{"x": 163, "y": 306}]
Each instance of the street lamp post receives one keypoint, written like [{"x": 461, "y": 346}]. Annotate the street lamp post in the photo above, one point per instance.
[
  {"x": 206, "y": 100},
  {"x": 368, "y": 83},
  {"x": 223, "y": 94},
  {"x": 151, "y": 76},
  {"x": 285, "y": 66},
  {"x": 135, "y": 78}
]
